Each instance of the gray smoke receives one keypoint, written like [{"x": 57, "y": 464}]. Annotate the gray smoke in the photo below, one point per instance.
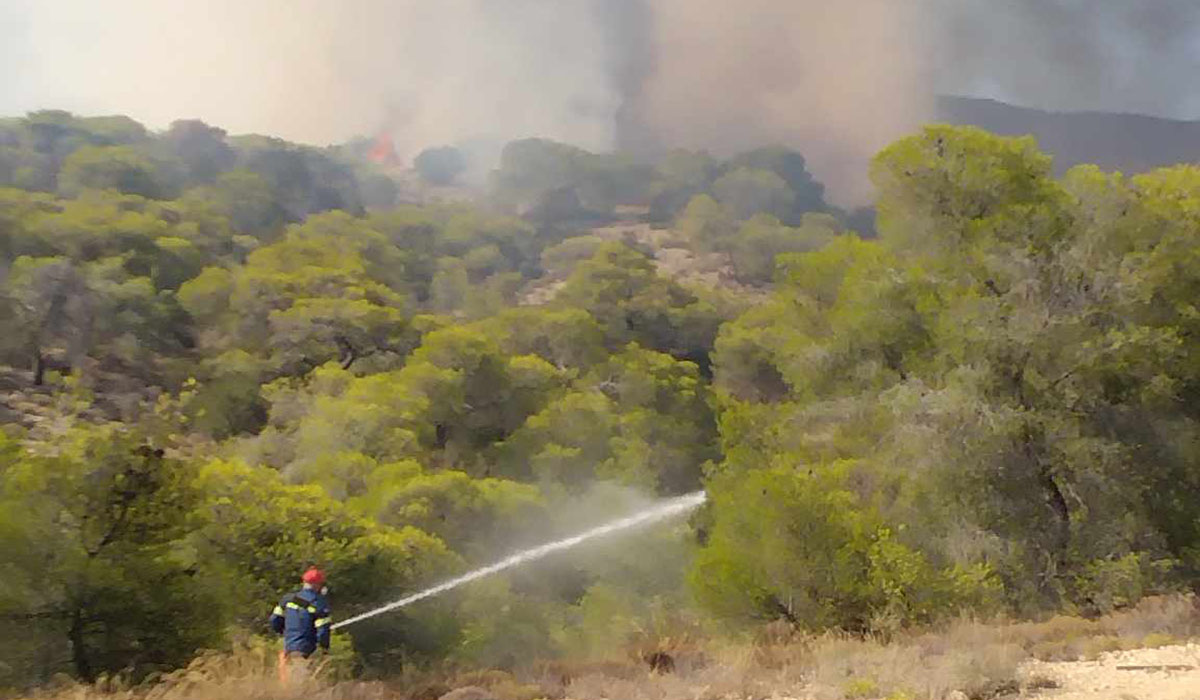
[
  {"x": 1113, "y": 55},
  {"x": 628, "y": 28},
  {"x": 836, "y": 79},
  {"x": 435, "y": 71}
]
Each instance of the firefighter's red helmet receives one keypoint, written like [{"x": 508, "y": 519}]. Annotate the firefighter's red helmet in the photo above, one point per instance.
[{"x": 314, "y": 576}]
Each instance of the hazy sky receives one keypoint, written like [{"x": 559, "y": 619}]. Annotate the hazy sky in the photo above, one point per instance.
[
  {"x": 313, "y": 70},
  {"x": 1120, "y": 55},
  {"x": 836, "y": 78},
  {"x": 261, "y": 64}
]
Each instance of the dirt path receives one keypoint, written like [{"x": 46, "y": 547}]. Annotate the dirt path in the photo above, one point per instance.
[{"x": 1166, "y": 673}]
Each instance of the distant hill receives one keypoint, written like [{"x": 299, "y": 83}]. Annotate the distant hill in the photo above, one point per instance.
[{"x": 1125, "y": 142}]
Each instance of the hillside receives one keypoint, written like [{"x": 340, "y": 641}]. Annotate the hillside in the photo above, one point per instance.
[
  {"x": 224, "y": 359},
  {"x": 1129, "y": 143}
]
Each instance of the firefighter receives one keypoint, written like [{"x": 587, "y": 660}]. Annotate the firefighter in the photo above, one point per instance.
[{"x": 302, "y": 618}]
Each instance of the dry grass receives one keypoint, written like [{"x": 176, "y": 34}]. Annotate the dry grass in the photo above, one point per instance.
[
  {"x": 1154, "y": 622},
  {"x": 826, "y": 667},
  {"x": 967, "y": 659},
  {"x": 250, "y": 674}
]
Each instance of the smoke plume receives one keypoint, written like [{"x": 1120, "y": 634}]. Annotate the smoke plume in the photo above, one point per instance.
[
  {"x": 835, "y": 79},
  {"x": 1071, "y": 55},
  {"x": 320, "y": 71}
]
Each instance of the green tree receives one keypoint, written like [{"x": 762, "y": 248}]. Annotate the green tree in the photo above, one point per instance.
[
  {"x": 680, "y": 176},
  {"x": 556, "y": 183},
  {"x": 246, "y": 200},
  {"x": 200, "y": 148},
  {"x": 754, "y": 249},
  {"x": 530, "y": 168},
  {"x": 327, "y": 291},
  {"x": 450, "y": 287},
  {"x": 707, "y": 224},
  {"x": 566, "y": 338},
  {"x": 457, "y": 395},
  {"x": 798, "y": 544},
  {"x": 490, "y": 395},
  {"x": 470, "y": 515},
  {"x": 809, "y": 194},
  {"x": 988, "y": 366},
  {"x": 95, "y": 547},
  {"x": 640, "y": 418},
  {"x": 303, "y": 180},
  {"x": 747, "y": 192},
  {"x": 260, "y": 533},
  {"x": 117, "y": 168},
  {"x": 622, "y": 290},
  {"x": 558, "y": 260},
  {"x": 440, "y": 166},
  {"x": 53, "y": 308}
]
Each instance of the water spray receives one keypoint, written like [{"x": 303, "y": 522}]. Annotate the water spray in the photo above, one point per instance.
[{"x": 661, "y": 511}]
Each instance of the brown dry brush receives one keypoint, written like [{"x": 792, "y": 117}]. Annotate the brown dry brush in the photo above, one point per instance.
[{"x": 971, "y": 658}]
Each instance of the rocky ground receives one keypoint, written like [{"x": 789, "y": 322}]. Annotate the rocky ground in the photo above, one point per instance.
[{"x": 1165, "y": 673}]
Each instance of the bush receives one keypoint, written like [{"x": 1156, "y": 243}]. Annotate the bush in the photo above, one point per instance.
[
  {"x": 795, "y": 544},
  {"x": 441, "y": 166}
]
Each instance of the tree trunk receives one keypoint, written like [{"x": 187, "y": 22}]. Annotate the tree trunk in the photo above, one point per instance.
[
  {"x": 1062, "y": 517},
  {"x": 1057, "y": 502},
  {"x": 346, "y": 353},
  {"x": 39, "y": 367},
  {"x": 784, "y": 611},
  {"x": 83, "y": 666}
]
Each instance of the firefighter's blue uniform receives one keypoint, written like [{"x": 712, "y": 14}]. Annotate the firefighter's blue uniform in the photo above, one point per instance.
[{"x": 303, "y": 620}]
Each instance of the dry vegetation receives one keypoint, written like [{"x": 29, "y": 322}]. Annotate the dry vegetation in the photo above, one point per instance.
[
  {"x": 674, "y": 256},
  {"x": 968, "y": 659}
]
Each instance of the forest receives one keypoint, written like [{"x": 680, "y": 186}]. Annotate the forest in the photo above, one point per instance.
[{"x": 226, "y": 358}]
